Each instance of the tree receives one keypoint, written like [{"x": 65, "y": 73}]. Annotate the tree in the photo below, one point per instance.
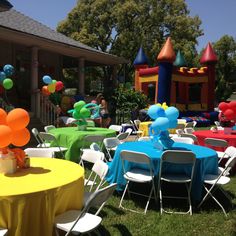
[
  {"x": 225, "y": 49},
  {"x": 120, "y": 27}
]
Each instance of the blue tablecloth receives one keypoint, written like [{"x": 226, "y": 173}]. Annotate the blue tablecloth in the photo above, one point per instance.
[{"x": 206, "y": 163}]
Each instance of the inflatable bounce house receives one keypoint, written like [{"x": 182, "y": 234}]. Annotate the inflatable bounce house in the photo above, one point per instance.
[{"x": 190, "y": 90}]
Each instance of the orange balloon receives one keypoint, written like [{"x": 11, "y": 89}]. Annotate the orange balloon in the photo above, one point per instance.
[
  {"x": 18, "y": 119},
  {"x": 5, "y": 136},
  {"x": 3, "y": 116},
  {"x": 20, "y": 137},
  {"x": 45, "y": 90}
]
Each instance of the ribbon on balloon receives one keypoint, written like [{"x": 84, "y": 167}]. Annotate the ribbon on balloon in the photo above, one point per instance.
[{"x": 164, "y": 119}]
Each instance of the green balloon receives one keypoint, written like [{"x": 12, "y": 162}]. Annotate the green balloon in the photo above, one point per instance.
[
  {"x": 79, "y": 105},
  {"x": 85, "y": 112},
  {"x": 7, "y": 83},
  {"x": 54, "y": 81},
  {"x": 76, "y": 115}
]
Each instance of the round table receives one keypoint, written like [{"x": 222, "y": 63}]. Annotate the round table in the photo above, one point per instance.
[
  {"x": 207, "y": 163},
  {"x": 202, "y": 134},
  {"x": 30, "y": 198},
  {"x": 72, "y": 138}
]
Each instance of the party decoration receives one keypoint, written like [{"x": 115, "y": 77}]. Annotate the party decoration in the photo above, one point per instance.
[
  {"x": 5, "y": 136},
  {"x": 18, "y": 119},
  {"x": 8, "y": 69},
  {"x": 227, "y": 111},
  {"x": 82, "y": 111},
  {"x": 13, "y": 131},
  {"x": 5, "y": 81},
  {"x": 3, "y": 117},
  {"x": 165, "y": 118},
  {"x": 20, "y": 137},
  {"x": 51, "y": 85}
]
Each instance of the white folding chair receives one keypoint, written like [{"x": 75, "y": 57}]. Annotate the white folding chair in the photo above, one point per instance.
[
  {"x": 111, "y": 145},
  {"x": 214, "y": 182},
  {"x": 3, "y": 232},
  {"x": 81, "y": 221},
  {"x": 99, "y": 170},
  {"x": 189, "y": 124},
  {"x": 95, "y": 146},
  {"x": 192, "y": 136},
  {"x": 214, "y": 142},
  {"x": 188, "y": 130},
  {"x": 137, "y": 175},
  {"x": 183, "y": 140},
  {"x": 49, "y": 127},
  {"x": 35, "y": 133},
  {"x": 176, "y": 158},
  {"x": 179, "y": 132},
  {"x": 91, "y": 156},
  {"x": 117, "y": 128},
  {"x": 49, "y": 138},
  {"x": 123, "y": 136},
  {"x": 40, "y": 152},
  {"x": 89, "y": 139},
  {"x": 136, "y": 130}
]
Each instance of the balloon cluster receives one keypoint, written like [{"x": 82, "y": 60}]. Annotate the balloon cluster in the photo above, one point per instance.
[
  {"x": 228, "y": 109},
  {"x": 164, "y": 119},
  {"x": 80, "y": 113},
  {"x": 13, "y": 127},
  {"x": 52, "y": 85},
  {"x": 5, "y": 80}
]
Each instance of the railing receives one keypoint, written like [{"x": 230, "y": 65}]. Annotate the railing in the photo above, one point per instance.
[
  {"x": 4, "y": 105},
  {"x": 48, "y": 112}
]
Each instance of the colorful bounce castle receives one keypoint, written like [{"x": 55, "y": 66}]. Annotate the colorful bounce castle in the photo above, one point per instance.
[{"x": 188, "y": 89}]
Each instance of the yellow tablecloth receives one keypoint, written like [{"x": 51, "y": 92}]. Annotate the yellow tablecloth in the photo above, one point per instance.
[
  {"x": 30, "y": 198},
  {"x": 144, "y": 126}
]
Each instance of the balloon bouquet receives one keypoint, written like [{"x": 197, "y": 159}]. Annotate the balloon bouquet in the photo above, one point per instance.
[
  {"x": 13, "y": 131},
  {"x": 82, "y": 111},
  {"x": 227, "y": 116},
  {"x": 164, "y": 118},
  {"x": 6, "y": 83},
  {"x": 52, "y": 85}
]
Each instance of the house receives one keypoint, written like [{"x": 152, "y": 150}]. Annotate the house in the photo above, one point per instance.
[{"x": 36, "y": 50}]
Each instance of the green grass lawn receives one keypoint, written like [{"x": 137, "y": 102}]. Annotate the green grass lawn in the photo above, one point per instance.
[{"x": 209, "y": 220}]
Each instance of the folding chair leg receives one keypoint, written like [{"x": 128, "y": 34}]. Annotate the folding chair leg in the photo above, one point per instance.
[{"x": 126, "y": 186}]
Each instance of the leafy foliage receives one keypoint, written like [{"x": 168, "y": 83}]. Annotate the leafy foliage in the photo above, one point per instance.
[
  {"x": 225, "y": 49},
  {"x": 120, "y": 27},
  {"x": 125, "y": 98}
]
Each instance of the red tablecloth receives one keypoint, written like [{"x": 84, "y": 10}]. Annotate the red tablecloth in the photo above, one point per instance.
[{"x": 202, "y": 134}]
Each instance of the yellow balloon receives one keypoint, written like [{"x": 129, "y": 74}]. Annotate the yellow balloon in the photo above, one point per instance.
[{"x": 52, "y": 88}]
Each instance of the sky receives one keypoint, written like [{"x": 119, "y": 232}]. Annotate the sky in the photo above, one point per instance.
[{"x": 218, "y": 16}]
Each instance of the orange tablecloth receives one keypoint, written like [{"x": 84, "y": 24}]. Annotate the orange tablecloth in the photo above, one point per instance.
[{"x": 30, "y": 198}]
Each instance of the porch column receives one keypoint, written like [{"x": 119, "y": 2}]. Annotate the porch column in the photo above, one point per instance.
[
  {"x": 34, "y": 80},
  {"x": 81, "y": 76}
]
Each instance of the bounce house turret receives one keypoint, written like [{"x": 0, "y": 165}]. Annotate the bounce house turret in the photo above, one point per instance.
[
  {"x": 209, "y": 58},
  {"x": 165, "y": 58},
  {"x": 188, "y": 89},
  {"x": 140, "y": 61},
  {"x": 180, "y": 61}
]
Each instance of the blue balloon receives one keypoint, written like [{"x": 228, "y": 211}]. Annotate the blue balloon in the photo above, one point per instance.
[
  {"x": 172, "y": 113},
  {"x": 8, "y": 69},
  {"x": 155, "y": 111},
  {"x": 47, "y": 79},
  {"x": 160, "y": 124},
  {"x": 173, "y": 124},
  {"x": 2, "y": 76}
]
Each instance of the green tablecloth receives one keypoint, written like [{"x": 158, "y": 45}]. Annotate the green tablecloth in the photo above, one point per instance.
[{"x": 72, "y": 138}]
